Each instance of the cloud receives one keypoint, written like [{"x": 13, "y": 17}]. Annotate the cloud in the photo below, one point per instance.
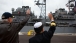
[{"x": 52, "y": 5}]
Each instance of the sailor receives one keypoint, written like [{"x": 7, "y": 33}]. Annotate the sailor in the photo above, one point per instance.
[
  {"x": 9, "y": 30},
  {"x": 43, "y": 36}
]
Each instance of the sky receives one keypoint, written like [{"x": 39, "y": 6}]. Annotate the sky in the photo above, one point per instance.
[{"x": 51, "y": 5}]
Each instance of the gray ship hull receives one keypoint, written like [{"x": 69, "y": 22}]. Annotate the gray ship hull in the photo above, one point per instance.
[{"x": 58, "y": 29}]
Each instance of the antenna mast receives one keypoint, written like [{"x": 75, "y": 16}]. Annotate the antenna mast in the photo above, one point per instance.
[{"x": 42, "y": 5}]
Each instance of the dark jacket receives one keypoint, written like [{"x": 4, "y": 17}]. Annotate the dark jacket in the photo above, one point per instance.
[
  {"x": 9, "y": 32},
  {"x": 44, "y": 37}
]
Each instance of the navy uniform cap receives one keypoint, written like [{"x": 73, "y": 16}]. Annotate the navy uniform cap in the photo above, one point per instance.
[
  {"x": 37, "y": 25},
  {"x": 6, "y": 15}
]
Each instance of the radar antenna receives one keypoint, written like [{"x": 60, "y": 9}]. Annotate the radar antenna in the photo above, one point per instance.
[{"x": 71, "y": 4}]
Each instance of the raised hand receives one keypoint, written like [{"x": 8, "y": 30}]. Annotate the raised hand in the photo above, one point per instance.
[
  {"x": 28, "y": 11},
  {"x": 51, "y": 17}
]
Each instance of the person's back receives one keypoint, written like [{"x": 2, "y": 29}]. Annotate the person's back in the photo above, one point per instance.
[
  {"x": 8, "y": 33},
  {"x": 9, "y": 29},
  {"x": 43, "y": 36}
]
